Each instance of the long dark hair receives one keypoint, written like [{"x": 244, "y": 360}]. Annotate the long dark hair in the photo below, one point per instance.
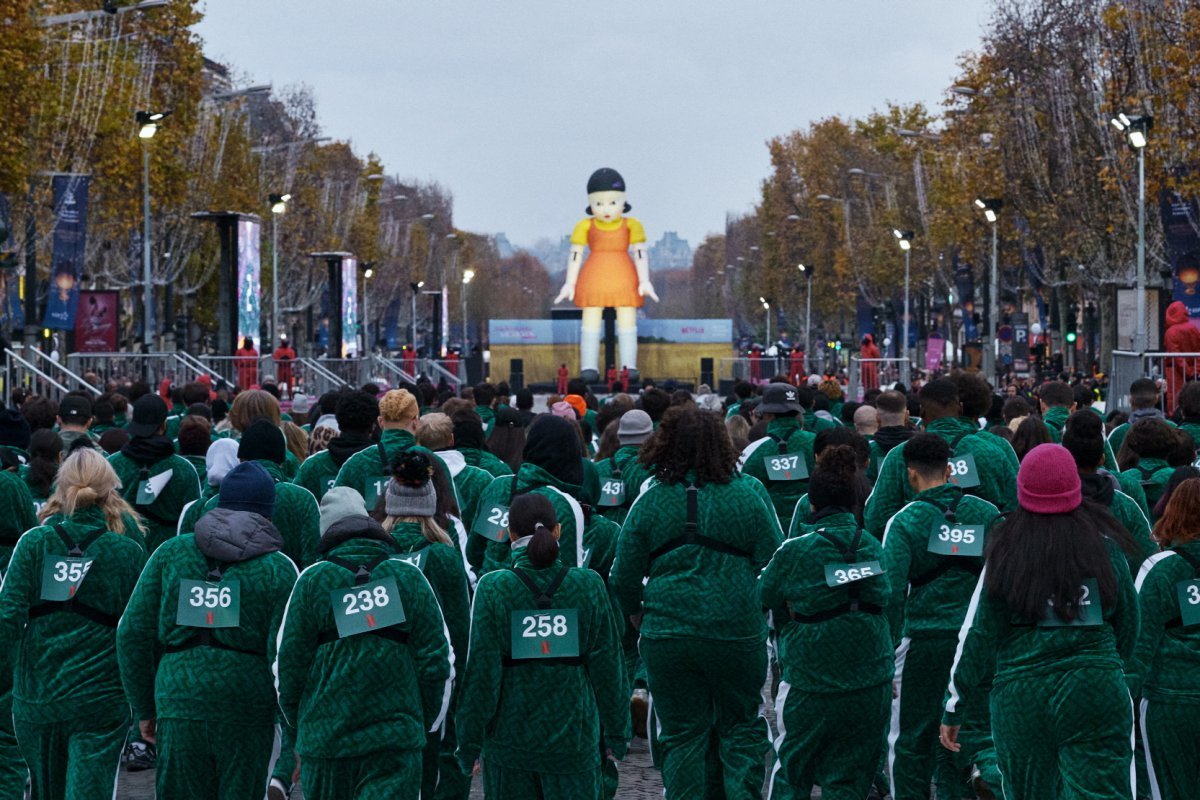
[
  {"x": 531, "y": 514},
  {"x": 45, "y": 447},
  {"x": 1032, "y": 558},
  {"x": 690, "y": 440}
]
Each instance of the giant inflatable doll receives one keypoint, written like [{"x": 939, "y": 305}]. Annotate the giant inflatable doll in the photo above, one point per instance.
[{"x": 609, "y": 277}]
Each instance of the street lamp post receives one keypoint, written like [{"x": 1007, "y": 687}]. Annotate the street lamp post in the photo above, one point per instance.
[
  {"x": 368, "y": 271},
  {"x": 416, "y": 289},
  {"x": 1136, "y": 129},
  {"x": 278, "y": 206},
  {"x": 468, "y": 276},
  {"x": 148, "y": 122},
  {"x": 991, "y": 207},
  {"x": 767, "y": 308},
  {"x": 807, "y": 312},
  {"x": 905, "y": 240}
]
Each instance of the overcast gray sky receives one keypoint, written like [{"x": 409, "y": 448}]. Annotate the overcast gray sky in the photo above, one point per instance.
[{"x": 511, "y": 105}]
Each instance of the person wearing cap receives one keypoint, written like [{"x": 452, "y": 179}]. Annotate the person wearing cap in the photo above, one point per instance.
[
  {"x": 63, "y": 594},
  {"x": 686, "y": 575},
  {"x": 469, "y": 440},
  {"x": 369, "y": 470},
  {"x": 74, "y": 419},
  {"x": 828, "y": 598},
  {"x": 933, "y": 553},
  {"x": 220, "y": 458},
  {"x": 633, "y": 429},
  {"x": 783, "y": 459},
  {"x": 531, "y": 747},
  {"x": 15, "y": 433},
  {"x": 296, "y": 512},
  {"x": 994, "y": 463},
  {"x": 301, "y": 405},
  {"x": 356, "y": 613},
  {"x": 553, "y": 467},
  {"x": 1052, "y": 621},
  {"x": 411, "y": 507},
  {"x": 154, "y": 480},
  {"x": 355, "y": 414},
  {"x": 196, "y": 643}
]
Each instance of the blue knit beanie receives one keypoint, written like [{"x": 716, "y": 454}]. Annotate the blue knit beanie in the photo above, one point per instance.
[{"x": 248, "y": 487}]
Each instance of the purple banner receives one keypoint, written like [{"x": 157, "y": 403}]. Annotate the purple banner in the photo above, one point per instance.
[
  {"x": 70, "y": 237},
  {"x": 964, "y": 285},
  {"x": 935, "y": 347},
  {"x": 1180, "y": 221},
  {"x": 96, "y": 322}
]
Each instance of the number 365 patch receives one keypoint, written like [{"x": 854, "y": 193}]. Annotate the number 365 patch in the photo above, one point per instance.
[{"x": 841, "y": 574}]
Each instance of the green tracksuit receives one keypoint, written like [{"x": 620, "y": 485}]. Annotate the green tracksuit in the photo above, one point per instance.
[
  {"x": 703, "y": 633},
  {"x": 1152, "y": 474},
  {"x": 1056, "y": 419},
  {"x": 318, "y": 474},
  {"x": 836, "y": 655},
  {"x": 68, "y": 710},
  {"x": 488, "y": 415},
  {"x": 486, "y": 461},
  {"x": 1061, "y": 713},
  {"x": 356, "y": 737},
  {"x": 16, "y": 517},
  {"x": 802, "y": 519},
  {"x": 162, "y": 514},
  {"x": 469, "y": 483},
  {"x": 531, "y": 747},
  {"x": 624, "y": 468},
  {"x": 201, "y": 466},
  {"x": 195, "y": 509},
  {"x": 1103, "y": 487},
  {"x": 486, "y": 554},
  {"x": 931, "y": 587},
  {"x": 1191, "y": 426},
  {"x": 447, "y": 576},
  {"x": 368, "y": 472},
  {"x": 1117, "y": 438},
  {"x": 210, "y": 689},
  {"x": 297, "y": 517},
  {"x": 784, "y": 437},
  {"x": 995, "y": 463},
  {"x": 1164, "y": 673}
]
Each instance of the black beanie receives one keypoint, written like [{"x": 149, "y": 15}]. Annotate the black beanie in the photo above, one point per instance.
[
  {"x": 468, "y": 430},
  {"x": 262, "y": 441},
  {"x": 553, "y": 444},
  {"x": 14, "y": 429},
  {"x": 248, "y": 487}
]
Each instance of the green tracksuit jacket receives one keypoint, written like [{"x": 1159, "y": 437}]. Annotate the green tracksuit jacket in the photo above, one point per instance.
[
  {"x": 486, "y": 461},
  {"x": 1164, "y": 673},
  {"x": 443, "y": 567},
  {"x": 1191, "y": 426},
  {"x": 1152, "y": 474},
  {"x": 485, "y": 554},
  {"x": 16, "y": 514},
  {"x": 297, "y": 517},
  {"x": 469, "y": 482},
  {"x": 1117, "y": 437},
  {"x": 210, "y": 689},
  {"x": 623, "y": 467},
  {"x": 784, "y": 437},
  {"x": 1056, "y": 419},
  {"x": 503, "y": 707},
  {"x": 488, "y": 415},
  {"x": 162, "y": 515},
  {"x": 1060, "y": 707},
  {"x": 1104, "y": 488},
  {"x": 365, "y": 471},
  {"x": 995, "y": 462},
  {"x": 676, "y": 599},
  {"x": 16, "y": 517},
  {"x": 195, "y": 509},
  {"x": 836, "y": 656},
  {"x": 201, "y": 466},
  {"x": 321, "y": 686}
]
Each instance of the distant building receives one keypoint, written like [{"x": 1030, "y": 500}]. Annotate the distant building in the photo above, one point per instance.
[
  {"x": 670, "y": 252},
  {"x": 504, "y": 247}
]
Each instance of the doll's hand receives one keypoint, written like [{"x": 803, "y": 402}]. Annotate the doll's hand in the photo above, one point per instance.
[
  {"x": 568, "y": 293},
  {"x": 645, "y": 289}
]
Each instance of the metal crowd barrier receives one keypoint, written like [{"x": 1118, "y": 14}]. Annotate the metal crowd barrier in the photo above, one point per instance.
[
  {"x": 126, "y": 367},
  {"x": 1171, "y": 370},
  {"x": 876, "y": 373},
  {"x": 21, "y": 372}
]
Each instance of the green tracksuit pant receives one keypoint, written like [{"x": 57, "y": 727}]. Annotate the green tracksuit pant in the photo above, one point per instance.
[
  {"x": 506, "y": 783},
  {"x": 703, "y": 688},
  {"x": 383, "y": 775},
  {"x": 213, "y": 760},
  {"x": 922, "y": 674},
  {"x": 441, "y": 778},
  {"x": 12, "y": 765},
  {"x": 1066, "y": 735},
  {"x": 74, "y": 759},
  {"x": 1171, "y": 747},
  {"x": 829, "y": 740},
  {"x": 978, "y": 752}
]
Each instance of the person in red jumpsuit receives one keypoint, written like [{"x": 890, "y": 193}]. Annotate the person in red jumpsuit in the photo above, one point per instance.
[
  {"x": 624, "y": 379},
  {"x": 610, "y": 378},
  {"x": 563, "y": 376},
  {"x": 796, "y": 366},
  {"x": 1182, "y": 337},
  {"x": 870, "y": 370},
  {"x": 410, "y": 360},
  {"x": 284, "y": 355},
  {"x": 247, "y": 364}
]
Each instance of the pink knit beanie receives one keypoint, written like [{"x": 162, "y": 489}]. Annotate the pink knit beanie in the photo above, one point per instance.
[{"x": 1048, "y": 482}]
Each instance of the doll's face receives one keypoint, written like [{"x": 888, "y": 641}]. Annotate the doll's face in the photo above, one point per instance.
[{"x": 607, "y": 206}]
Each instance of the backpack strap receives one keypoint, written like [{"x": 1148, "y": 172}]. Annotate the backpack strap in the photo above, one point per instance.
[
  {"x": 849, "y": 553},
  {"x": 780, "y": 443},
  {"x": 691, "y": 532},
  {"x": 958, "y": 438},
  {"x": 76, "y": 550},
  {"x": 946, "y": 563},
  {"x": 543, "y": 598},
  {"x": 383, "y": 459}
]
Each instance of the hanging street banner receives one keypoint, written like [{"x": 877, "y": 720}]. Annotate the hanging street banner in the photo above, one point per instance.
[
  {"x": 964, "y": 285},
  {"x": 70, "y": 237},
  {"x": 349, "y": 307},
  {"x": 96, "y": 322},
  {"x": 12, "y": 312},
  {"x": 1180, "y": 224},
  {"x": 249, "y": 264}
]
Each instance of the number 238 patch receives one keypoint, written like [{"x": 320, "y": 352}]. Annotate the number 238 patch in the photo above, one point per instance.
[{"x": 366, "y": 608}]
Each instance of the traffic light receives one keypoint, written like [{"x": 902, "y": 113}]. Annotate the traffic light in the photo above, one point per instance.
[{"x": 1072, "y": 332}]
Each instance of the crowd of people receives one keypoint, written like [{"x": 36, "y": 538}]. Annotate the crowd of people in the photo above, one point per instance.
[{"x": 945, "y": 588}]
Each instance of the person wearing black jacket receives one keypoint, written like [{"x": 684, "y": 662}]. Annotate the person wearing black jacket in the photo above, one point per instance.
[{"x": 356, "y": 413}]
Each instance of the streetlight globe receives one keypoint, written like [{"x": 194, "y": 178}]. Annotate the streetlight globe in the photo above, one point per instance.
[
  {"x": 905, "y": 244},
  {"x": 369, "y": 273},
  {"x": 802, "y": 268},
  {"x": 990, "y": 214},
  {"x": 1137, "y": 139},
  {"x": 468, "y": 276},
  {"x": 793, "y": 217}
]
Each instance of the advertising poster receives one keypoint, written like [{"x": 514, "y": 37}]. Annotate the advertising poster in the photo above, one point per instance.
[
  {"x": 935, "y": 348},
  {"x": 964, "y": 285},
  {"x": 249, "y": 287},
  {"x": 70, "y": 237},
  {"x": 96, "y": 322},
  {"x": 12, "y": 313},
  {"x": 1181, "y": 223},
  {"x": 349, "y": 307}
]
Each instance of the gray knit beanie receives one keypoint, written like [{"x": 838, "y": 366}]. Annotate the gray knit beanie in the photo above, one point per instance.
[{"x": 410, "y": 501}]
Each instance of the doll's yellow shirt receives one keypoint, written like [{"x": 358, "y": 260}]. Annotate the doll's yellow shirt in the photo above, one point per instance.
[{"x": 579, "y": 236}]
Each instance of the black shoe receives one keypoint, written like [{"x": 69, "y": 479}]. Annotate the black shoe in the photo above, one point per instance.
[
  {"x": 139, "y": 756},
  {"x": 278, "y": 790}
]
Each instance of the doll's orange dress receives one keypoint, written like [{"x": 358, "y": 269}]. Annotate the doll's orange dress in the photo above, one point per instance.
[{"x": 608, "y": 278}]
